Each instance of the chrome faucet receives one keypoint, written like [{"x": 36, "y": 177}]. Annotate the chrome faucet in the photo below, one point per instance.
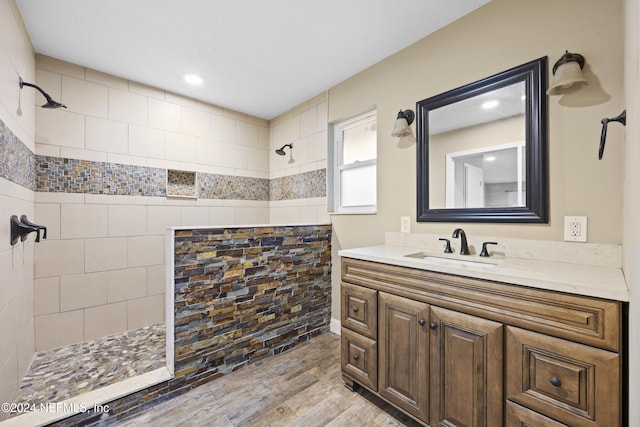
[{"x": 464, "y": 248}]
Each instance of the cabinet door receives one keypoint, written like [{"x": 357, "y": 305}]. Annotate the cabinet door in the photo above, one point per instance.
[
  {"x": 466, "y": 370},
  {"x": 403, "y": 353}
]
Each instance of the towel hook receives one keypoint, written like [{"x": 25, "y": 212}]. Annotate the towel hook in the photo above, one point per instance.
[{"x": 621, "y": 118}]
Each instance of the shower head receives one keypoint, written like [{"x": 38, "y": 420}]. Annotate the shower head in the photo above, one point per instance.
[
  {"x": 50, "y": 101},
  {"x": 280, "y": 151}
]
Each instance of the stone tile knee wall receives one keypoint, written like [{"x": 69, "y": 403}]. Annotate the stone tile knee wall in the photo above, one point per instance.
[
  {"x": 241, "y": 294},
  {"x": 246, "y": 293}
]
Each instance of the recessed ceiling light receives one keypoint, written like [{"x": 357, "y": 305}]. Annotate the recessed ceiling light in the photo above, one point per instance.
[
  {"x": 489, "y": 158},
  {"x": 490, "y": 104},
  {"x": 193, "y": 79}
]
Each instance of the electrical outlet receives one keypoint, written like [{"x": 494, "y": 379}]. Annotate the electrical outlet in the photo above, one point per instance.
[
  {"x": 575, "y": 228},
  {"x": 405, "y": 224}
]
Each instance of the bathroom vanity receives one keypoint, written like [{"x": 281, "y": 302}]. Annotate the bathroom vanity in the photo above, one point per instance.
[{"x": 453, "y": 343}]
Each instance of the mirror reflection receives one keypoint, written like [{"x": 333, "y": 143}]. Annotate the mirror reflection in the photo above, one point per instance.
[{"x": 477, "y": 145}]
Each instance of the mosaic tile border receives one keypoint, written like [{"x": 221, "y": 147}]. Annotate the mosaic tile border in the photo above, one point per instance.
[
  {"x": 301, "y": 186},
  {"x": 63, "y": 175},
  {"x": 17, "y": 162}
]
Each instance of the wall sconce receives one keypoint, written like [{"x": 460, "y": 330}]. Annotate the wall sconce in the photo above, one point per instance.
[
  {"x": 50, "y": 102},
  {"x": 567, "y": 74},
  {"x": 403, "y": 121}
]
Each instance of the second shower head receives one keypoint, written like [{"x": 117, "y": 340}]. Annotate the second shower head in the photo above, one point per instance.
[{"x": 280, "y": 151}]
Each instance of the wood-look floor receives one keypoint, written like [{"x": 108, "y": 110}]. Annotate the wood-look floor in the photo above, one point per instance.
[{"x": 300, "y": 387}]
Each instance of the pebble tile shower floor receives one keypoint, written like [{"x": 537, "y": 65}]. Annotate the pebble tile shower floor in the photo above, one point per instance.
[{"x": 59, "y": 374}]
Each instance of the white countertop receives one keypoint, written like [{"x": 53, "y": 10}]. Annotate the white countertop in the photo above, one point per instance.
[{"x": 589, "y": 280}]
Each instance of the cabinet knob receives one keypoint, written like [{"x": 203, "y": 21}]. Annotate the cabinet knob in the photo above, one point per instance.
[
  {"x": 356, "y": 357},
  {"x": 355, "y": 309},
  {"x": 421, "y": 322},
  {"x": 433, "y": 326},
  {"x": 555, "y": 382}
]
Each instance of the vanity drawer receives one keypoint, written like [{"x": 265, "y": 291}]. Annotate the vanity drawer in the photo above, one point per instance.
[
  {"x": 517, "y": 416},
  {"x": 572, "y": 383},
  {"x": 359, "y": 308},
  {"x": 359, "y": 358}
]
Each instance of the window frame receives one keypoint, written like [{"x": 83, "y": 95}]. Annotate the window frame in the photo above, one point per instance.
[{"x": 336, "y": 153}]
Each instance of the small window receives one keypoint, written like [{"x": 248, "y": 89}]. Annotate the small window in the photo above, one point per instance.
[{"x": 353, "y": 178}]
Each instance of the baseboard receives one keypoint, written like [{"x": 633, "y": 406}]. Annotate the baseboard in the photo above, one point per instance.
[{"x": 334, "y": 326}]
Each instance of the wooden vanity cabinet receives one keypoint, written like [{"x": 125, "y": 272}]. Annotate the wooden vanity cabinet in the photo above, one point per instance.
[{"x": 455, "y": 351}]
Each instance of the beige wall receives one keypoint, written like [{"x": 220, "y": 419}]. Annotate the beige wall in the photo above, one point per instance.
[
  {"x": 496, "y": 37},
  {"x": 16, "y": 262},
  {"x": 631, "y": 235}
]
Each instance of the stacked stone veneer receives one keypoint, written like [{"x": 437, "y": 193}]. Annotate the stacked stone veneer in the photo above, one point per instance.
[
  {"x": 241, "y": 294},
  {"x": 245, "y": 293}
]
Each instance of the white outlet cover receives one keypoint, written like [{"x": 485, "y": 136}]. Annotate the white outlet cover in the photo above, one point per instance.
[
  {"x": 575, "y": 228},
  {"x": 405, "y": 224}
]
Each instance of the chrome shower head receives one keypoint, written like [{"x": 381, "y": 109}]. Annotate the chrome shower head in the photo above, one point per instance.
[
  {"x": 50, "y": 101},
  {"x": 280, "y": 151}
]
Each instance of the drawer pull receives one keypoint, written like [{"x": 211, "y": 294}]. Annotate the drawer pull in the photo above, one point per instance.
[
  {"x": 356, "y": 357},
  {"x": 555, "y": 382},
  {"x": 433, "y": 326},
  {"x": 355, "y": 309},
  {"x": 421, "y": 322}
]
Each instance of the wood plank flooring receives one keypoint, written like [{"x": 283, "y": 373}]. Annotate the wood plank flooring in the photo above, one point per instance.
[{"x": 300, "y": 387}]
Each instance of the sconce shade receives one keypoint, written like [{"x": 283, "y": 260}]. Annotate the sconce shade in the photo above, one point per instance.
[
  {"x": 403, "y": 121},
  {"x": 567, "y": 74}
]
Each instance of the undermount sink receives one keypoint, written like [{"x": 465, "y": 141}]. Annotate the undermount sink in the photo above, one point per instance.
[{"x": 432, "y": 259}]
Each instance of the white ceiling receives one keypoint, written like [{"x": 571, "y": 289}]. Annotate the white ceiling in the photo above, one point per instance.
[{"x": 259, "y": 57}]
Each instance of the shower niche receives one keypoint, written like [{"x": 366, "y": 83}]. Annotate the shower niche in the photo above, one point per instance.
[{"x": 182, "y": 184}]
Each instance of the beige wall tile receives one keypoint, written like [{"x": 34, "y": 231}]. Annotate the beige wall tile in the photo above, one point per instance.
[
  {"x": 159, "y": 218},
  {"x": 222, "y": 128},
  {"x": 209, "y": 151},
  {"x": 146, "y": 142},
  {"x": 46, "y": 296},
  {"x": 156, "y": 279},
  {"x": 81, "y": 96},
  {"x": 164, "y": 115},
  {"x": 195, "y": 122},
  {"x": 105, "y": 254},
  {"x": 180, "y": 147},
  {"x": 83, "y": 290},
  {"x": 83, "y": 221},
  {"x": 57, "y": 330},
  {"x": 82, "y": 154},
  {"x": 59, "y": 258},
  {"x": 145, "y": 311},
  {"x": 127, "y": 284},
  {"x": 246, "y": 134},
  {"x": 145, "y": 250},
  {"x": 56, "y": 127},
  {"x": 105, "y": 79},
  {"x": 127, "y": 220},
  {"x": 52, "y": 81},
  {"x": 105, "y": 320},
  {"x": 234, "y": 156},
  {"x": 194, "y": 216},
  {"x": 106, "y": 135},
  {"x": 258, "y": 159},
  {"x": 222, "y": 215},
  {"x": 309, "y": 122},
  {"x": 58, "y": 66},
  {"x": 127, "y": 107}
]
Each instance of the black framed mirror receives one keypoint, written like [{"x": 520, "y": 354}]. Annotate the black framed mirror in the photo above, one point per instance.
[{"x": 482, "y": 150}]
